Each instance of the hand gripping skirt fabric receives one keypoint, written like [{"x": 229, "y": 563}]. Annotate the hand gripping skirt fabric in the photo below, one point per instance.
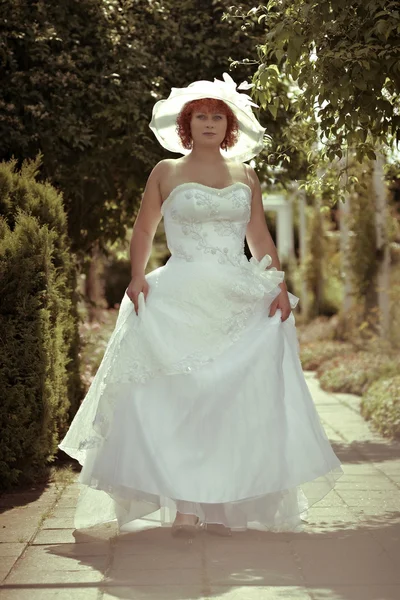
[{"x": 200, "y": 405}]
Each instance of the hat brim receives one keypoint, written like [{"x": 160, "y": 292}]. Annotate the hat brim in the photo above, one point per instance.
[{"x": 165, "y": 113}]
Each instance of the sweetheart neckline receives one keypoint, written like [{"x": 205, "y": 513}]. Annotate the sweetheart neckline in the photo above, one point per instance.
[{"x": 209, "y": 187}]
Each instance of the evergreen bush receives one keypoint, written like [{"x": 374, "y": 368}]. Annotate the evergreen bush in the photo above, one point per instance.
[{"x": 39, "y": 355}]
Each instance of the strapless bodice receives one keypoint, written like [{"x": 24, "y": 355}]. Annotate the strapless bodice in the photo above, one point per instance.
[{"x": 207, "y": 224}]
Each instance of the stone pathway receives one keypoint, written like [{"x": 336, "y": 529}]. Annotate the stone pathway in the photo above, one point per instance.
[{"x": 349, "y": 551}]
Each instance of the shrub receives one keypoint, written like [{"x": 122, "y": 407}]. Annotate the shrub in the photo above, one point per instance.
[
  {"x": 381, "y": 405},
  {"x": 312, "y": 355},
  {"x": 354, "y": 373},
  {"x": 39, "y": 366},
  {"x": 321, "y": 328}
]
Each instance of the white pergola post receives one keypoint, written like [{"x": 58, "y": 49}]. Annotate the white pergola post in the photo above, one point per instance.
[
  {"x": 284, "y": 223},
  {"x": 303, "y": 247}
]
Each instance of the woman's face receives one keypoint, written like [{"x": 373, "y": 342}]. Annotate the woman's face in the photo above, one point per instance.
[{"x": 208, "y": 128}]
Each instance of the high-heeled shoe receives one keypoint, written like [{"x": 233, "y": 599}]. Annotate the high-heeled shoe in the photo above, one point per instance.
[{"x": 185, "y": 530}]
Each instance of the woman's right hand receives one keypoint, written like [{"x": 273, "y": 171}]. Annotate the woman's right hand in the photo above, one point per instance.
[{"x": 137, "y": 284}]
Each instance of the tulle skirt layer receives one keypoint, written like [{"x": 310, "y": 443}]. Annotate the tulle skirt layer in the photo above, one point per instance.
[{"x": 236, "y": 441}]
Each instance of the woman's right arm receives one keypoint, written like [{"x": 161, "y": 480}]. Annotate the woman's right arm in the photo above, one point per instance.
[{"x": 144, "y": 229}]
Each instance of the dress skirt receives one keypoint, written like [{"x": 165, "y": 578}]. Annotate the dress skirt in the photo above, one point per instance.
[{"x": 200, "y": 412}]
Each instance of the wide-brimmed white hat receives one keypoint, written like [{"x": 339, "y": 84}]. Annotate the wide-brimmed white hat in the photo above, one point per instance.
[{"x": 251, "y": 134}]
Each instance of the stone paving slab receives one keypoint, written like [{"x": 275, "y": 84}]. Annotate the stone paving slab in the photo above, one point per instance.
[
  {"x": 69, "y": 535},
  {"x": 370, "y": 483},
  {"x": 281, "y": 571},
  {"x": 67, "y": 501},
  {"x": 260, "y": 592},
  {"x": 47, "y": 496},
  {"x": 63, "y": 512},
  {"x": 356, "y": 592},
  {"x": 20, "y": 526},
  {"x": 153, "y": 592},
  {"x": 100, "y": 548},
  {"x": 62, "y": 578},
  {"x": 149, "y": 562},
  {"x": 331, "y": 500},
  {"x": 163, "y": 577},
  {"x": 11, "y": 549},
  {"x": 6, "y": 564},
  {"x": 156, "y": 541},
  {"x": 49, "y": 593},
  {"x": 349, "y": 549},
  {"x": 66, "y": 522},
  {"x": 55, "y": 536},
  {"x": 45, "y": 559},
  {"x": 331, "y": 516},
  {"x": 355, "y": 558}
]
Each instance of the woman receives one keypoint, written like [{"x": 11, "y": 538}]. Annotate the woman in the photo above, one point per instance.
[{"x": 200, "y": 407}]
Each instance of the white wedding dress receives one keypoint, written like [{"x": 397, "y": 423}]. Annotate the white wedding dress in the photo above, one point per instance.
[{"x": 200, "y": 403}]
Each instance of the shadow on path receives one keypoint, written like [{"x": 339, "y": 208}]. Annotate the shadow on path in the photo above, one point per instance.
[{"x": 338, "y": 558}]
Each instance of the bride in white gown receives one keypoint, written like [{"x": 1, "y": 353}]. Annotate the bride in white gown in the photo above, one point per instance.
[{"x": 199, "y": 413}]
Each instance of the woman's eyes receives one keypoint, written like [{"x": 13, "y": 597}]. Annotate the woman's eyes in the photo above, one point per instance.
[{"x": 215, "y": 117}]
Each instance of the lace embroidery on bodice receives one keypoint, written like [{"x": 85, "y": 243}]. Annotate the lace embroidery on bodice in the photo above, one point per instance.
[{"x": 203, "y": 223}]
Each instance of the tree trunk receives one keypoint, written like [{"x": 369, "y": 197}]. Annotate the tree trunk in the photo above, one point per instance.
[
  {"x": 319, "y": 284},
  {"x": 344, "y": 215},
  {"x": 94, "y": 288},
  {"x": 382, "y": 245}
]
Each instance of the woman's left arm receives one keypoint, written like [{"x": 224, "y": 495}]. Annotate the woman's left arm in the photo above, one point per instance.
[{"x": 260, "y": 242}]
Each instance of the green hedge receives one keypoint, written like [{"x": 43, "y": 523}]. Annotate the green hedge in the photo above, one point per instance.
[
  {"x": 354, "y": 373},
  {"x": 39, "y": 355},
  {"x": 313, "y": 354},
  {"x": 381, "y": 405}
]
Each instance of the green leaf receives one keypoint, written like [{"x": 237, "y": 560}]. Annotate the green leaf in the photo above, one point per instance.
[
  {"x": 273, "y": 68},
  {"x": 363, "y": 134},
  {"x": 383, "y": 27},
  {"x": 294, "y": 48},
  {"x": 360, "y": 84},
  {"x": 273, "y": 110}
]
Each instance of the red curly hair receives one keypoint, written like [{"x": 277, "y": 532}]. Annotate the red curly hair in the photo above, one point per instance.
[{"x": 210, "y": 105}]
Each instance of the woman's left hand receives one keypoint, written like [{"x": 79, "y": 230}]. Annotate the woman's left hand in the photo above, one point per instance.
[{"x": 281, "y": 302}]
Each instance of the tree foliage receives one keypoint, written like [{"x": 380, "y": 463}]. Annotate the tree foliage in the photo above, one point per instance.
[
  {"x": 344, "y": 58},
  {"x": 79, "y": 79}
]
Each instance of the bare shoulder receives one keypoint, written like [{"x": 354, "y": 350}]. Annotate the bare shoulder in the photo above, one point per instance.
[
  {"x": 162, "y": 169},
  {"x": 168, "y": 172}
]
